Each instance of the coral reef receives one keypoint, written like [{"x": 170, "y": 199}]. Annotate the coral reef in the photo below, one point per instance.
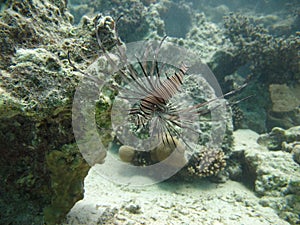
[
  {"x": 183, "y": 24},
  {"x": 43, "y": 167},
  {"x": 264, "y": 58},
  {"x": 249, "y": 49},
  {"x": 131, "y": 27}
]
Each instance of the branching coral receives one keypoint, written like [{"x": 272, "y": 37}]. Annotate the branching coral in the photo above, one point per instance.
[
  {"x": 272, "y": 58},
  {"x": 264, "y": 58}
]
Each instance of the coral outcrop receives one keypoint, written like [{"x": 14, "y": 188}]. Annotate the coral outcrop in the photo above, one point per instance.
[
  {"x": 273, "y": 59},
  {"x": 274, "y": 175},
  {"x": 277, "y": 181},
  {"x": 280, "y": 139},
  {"x": 278, "y": 136}
]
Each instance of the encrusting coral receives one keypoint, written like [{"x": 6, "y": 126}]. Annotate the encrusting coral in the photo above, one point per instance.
[{"x": 68, "y": 161}]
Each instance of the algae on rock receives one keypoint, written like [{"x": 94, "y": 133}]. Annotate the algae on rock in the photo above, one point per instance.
[{"x": 67, "y": 170}]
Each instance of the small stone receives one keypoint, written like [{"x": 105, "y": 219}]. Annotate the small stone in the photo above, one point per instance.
[
  {"x": 126, "y": 153},
  {"x": 133, "y": 208},
  {"x": 183, "y": 211},
  {"x": 296, "y": 153}
]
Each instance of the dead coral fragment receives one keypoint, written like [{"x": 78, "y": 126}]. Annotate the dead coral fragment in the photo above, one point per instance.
[{"x": 208, "y": 162}]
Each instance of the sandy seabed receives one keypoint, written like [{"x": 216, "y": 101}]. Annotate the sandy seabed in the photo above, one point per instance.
[{"x": 193, "y": 203}]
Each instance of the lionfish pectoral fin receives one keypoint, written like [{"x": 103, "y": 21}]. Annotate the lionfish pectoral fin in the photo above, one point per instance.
[{"x": 241, "y": 100}]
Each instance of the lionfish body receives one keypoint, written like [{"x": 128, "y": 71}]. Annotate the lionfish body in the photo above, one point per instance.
[{"x": 159, "y": 94}]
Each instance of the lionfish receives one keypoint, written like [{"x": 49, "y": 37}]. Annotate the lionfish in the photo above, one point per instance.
[{"x": 154, "y": 109}]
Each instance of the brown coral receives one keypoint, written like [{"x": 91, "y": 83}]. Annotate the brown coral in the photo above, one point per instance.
[{"x": 208, "y": 162}]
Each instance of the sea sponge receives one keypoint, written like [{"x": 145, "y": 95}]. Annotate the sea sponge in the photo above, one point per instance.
[
  {"x": 170, "y": 151},
  {"x": 208, "y": 162}
]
